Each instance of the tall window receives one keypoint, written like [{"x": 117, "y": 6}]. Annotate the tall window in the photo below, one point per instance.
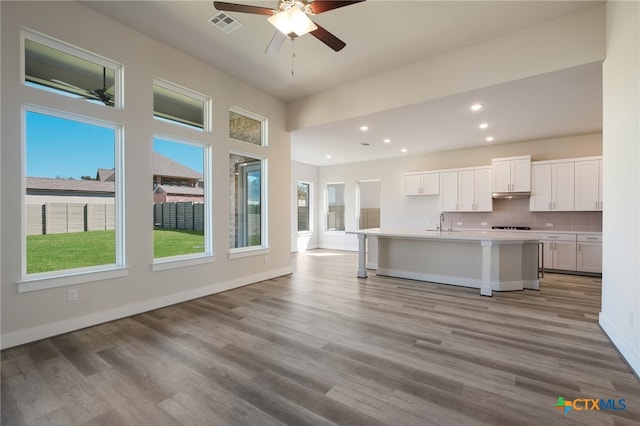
[
  {"x": 180, "y": 201},
  {"x": 73, "y": 197},
  {"x": 247, "y": 202},
  {"x": 304, "y": 215},
  {"x": 247, "y": 127},
  {"x": 369, "y": 204},
  {"x": 335, "y": 207}
]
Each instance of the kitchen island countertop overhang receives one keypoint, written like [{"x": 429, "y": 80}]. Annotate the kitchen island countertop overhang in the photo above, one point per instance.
[{"x": 491, "y": 261}]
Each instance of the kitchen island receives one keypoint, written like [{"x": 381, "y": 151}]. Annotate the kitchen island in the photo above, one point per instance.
[{"x": 490, "y": 261}]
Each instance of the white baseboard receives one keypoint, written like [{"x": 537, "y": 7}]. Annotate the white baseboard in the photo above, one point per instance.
[
  {"x": 43, "y": 331},
  {"x": 628, "y": 352}
]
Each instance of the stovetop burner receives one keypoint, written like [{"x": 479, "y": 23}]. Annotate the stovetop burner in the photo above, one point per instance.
[{"x": 515, "y": 228}]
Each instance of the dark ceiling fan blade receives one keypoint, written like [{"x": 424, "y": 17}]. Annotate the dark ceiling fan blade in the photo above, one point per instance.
[
  {"x": 243, "y": 8},
  {"x": 276, "y": 43},
  {"x": 320, "y": 6},
  {"x": 327, "y": 38}
]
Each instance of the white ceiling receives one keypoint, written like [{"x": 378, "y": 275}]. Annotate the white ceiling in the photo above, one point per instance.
[{"x": 380, "y": 36}]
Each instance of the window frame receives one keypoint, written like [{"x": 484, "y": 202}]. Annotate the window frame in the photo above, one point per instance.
[
  {"x": 208, "y": 255},
  {"x": 59, "y": 278},
  {"x": 264, "y": 126},
  {"x": 28, "y": 34},
  {"x": 309, "y": 229},
  {"x": 184, "y": 91},
  {"x": 326, "y": 215},
  {"x": 263, "y": 248}
]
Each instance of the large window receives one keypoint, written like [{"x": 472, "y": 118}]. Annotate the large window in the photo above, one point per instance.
[
  {"x": 335, "y": 207},
  {"x": 369, "y": 204},
  {"x": 180, "y": 201},
  {"x": 57, "y": 67},
  {"x": 72, "y": 194},
  {"x": 247, "y": 202},
  {"x": 247, "y": 127},
  {"x": 304, "y": 201}
]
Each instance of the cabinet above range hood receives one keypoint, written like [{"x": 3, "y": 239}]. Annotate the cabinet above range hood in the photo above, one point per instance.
[{"x": 509, "y": 195}]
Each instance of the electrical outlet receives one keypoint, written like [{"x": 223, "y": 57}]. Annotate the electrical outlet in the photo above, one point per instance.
[
  {"x": 266, "y": 259},
  {"x": 72, "y": 295},
  {"x": 631, "y": 318},
  {"x": 459, "y": 223},
  {"x": 483, "y": 223},
  {"x": 549, "y": 224}
]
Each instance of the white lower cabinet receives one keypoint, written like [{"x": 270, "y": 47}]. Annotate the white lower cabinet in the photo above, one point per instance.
[
  {"x": 589, "y": 256},
  {"x": 559, "y": 251}
]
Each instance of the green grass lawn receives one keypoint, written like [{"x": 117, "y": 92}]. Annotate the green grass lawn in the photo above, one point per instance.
[{"x": 57, "y": 252}]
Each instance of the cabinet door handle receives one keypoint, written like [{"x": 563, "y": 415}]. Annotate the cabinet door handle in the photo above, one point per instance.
[
  {"x": 596, "y": 205},
  {"x": 579, "y": 248},
  {"x": 549, "y": 205}
]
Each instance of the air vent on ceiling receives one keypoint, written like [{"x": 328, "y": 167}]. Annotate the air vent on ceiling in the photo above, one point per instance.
[{"x": 225, "y": 22}]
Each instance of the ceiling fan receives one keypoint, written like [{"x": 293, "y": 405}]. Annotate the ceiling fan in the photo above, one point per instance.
[
  {"x": 104, "y": 94},
  {"x": 291, "y": 18}
]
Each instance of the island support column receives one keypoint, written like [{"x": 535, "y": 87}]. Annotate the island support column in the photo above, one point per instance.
[
  {"x": 362, "y": 256},
  {"x": 485, "y": 287}
]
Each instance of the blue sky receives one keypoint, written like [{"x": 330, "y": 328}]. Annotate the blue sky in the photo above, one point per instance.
[{"x": 58, "y": 147}]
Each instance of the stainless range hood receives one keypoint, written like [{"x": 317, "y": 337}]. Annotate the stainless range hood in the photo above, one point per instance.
[{"x": 508, "y": 195}]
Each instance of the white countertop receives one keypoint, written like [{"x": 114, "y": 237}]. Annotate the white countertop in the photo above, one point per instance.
[{"x": 454, "y": 235}]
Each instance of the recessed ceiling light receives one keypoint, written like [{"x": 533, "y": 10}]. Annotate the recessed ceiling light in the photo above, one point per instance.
[
  {"x": 387, "y": 141},
  {"x": 489, "y": 139},
  {"x": 476, "y": 107},
  {"x": 403, "y": 150},
  {"x": 327, "y": 156},
  {"x": 483, "y": 125},
  {"x": 364, "y": 128}
]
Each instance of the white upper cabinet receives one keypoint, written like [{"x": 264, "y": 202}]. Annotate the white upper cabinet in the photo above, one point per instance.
[
  {"x": 511, "y": 174},
  {"x": 422, "y": 184},
  {"x": 467, "y": 190},
  {"x": 552, "y": 186},
  {"x": 588, "y": 185},
  {"x": 449, "y": 191}
]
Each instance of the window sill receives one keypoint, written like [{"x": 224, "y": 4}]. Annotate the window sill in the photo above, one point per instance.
[
  {"x": 42, "y": 282},
  {"x": 304, "y": 233},
  {"x": 248, "y": 252},
  {"x": 163, "y": 264}
]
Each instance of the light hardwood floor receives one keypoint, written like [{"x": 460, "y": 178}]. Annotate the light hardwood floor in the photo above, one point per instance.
[{"x": 323, "y": 347}]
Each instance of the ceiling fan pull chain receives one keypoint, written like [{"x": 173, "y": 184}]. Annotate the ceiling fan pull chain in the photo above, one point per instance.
[{"x": 293, "y": 54}]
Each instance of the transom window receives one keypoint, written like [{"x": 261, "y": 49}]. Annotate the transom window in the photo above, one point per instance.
[
  {"x": 180, "y": 105},
  {"x": 64, "y": 69},
  {"x": 247, "y": 127}
]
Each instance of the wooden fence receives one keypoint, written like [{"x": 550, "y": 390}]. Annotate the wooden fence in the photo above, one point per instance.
[{"x": 60, "y": 218}]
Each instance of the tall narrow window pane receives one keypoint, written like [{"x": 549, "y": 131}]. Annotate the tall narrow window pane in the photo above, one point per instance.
[
  {"x": 246, "y": 201},
  {"x": 179, "y": 213},
  {"x": 335, "y": 207},
  {"x": 303, "y": 207},
  {"x": 71, "y": 194}
]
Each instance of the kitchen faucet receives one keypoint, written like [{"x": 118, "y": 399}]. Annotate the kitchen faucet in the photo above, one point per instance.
[{"x": 441, "y": 221}]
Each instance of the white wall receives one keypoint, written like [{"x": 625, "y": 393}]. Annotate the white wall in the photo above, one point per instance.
[
  {"x": 621, "y": 217},
  {"x": 37, "y": 314},
  {"x": 306, "y": 173},
  {"x": 570, "y": 41}
]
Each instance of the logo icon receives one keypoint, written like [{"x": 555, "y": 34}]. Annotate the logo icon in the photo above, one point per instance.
[{"x": 563, "y": 405}]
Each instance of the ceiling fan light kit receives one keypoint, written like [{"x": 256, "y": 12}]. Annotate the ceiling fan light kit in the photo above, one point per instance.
[
  {"x": 292, "y": 22},
  {"x": 291, "y": 18}
]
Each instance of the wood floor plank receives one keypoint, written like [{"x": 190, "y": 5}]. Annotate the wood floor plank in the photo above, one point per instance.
[{"x": 322, "y": 347}]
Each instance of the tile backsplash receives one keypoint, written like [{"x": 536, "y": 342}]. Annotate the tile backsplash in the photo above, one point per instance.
[{"x": 515, "y": 212}]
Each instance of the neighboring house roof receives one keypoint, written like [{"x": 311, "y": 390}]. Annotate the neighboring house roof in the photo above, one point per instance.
[
  {"x": 165, "y": 166},
  {"x": 57, "y": 184},
  {"x": 106, "y": 174},
  {"x": 180, "y": 190}
]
